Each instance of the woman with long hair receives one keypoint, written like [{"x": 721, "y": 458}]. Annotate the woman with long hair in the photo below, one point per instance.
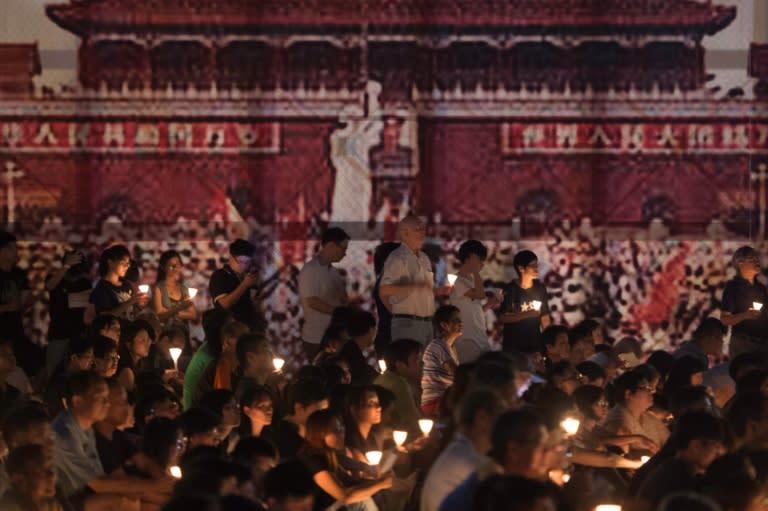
[
  {"x": 362, "y": 412},
  {"x": 113, "y": 294},
  {"x": 258, "y": 409},
  {"x": 324, "y": 440},
  {"x": 136, "y": 339},
  {"x": 170, "y": 297}
]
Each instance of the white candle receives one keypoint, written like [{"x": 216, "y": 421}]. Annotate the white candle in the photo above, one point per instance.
[
  {"x": 192, "y": 292},
  {"x": 570, "y": 425},
  {"x": 278, "y": 363},
  {"x": 608, "y": 507},
  {"x": 175, "y": 354},
  {"x": 373, "y": 457},
  {"x": 400, "y": 437},
  {"x": 757, "y": 306},
  {"x": 537, "y": 305},
  {"x": 644, "y": 459},
  {"x": 426, "y": 425},
  {"x": 175, "y": 472},
  {"x": 144, "y": 288},
  {"x": 452, "y": 278},
  {"x": 382, "y": 366}
]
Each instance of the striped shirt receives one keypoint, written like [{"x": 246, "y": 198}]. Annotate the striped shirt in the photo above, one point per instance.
[{"x": 435, "y": 377}]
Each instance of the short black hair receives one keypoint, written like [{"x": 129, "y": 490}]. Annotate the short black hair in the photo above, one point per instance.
[
  {"x": 361, "y": 323},
  {"x": 514, "y": 426},
  {"x": 250, "y": 448},
  {"x": 629, "y": 381},
  {"x": 305, "y": 393},
  {"x": 6, "y": 238},
  {"x": 128, "y": 334},
  {"x": 585, "y": 397},
  {"x": 522, "y": 259},
  {"x": 252, "y": 342},
  {"x": 25, "y": 456},
  {"x": 333, "y": 333},
  {"x": 334, "y": 235},
  {"x": 78, "y": 346},
  {"x": 517, "y": 493},
  {"x": 215, "y": 400},
  {"x": 691, "y": 398},
  {"x": 746, "y": 407},
  {"x": 198, "y": 420},
  {"x": 493, "y": 374},
  {"x": 698, "y": 426},
  {"x": 579, "y": 333},
  {"x": 112, "y": 254},
  {"x": 80, "y": 382},
  {"x": 160, "y": 435},
  {"x": 21, "y": 418},
  {"x": 101, "y": 322},
  {"x": 443, "y": 315},
  {"x": 710, "y": 327},
  {"x": 241, "y": 247},
  {"x": 253, "y": 393},
  {"x": 291, "y": 479},
  {"x": 400, "y": 351},
  {"x": 478, "y": 400},
  {"x": 550, "y": 334},
  {"x": 592, "y": 370},
  {"x": 103, "y": 346},
  {"x": 470, "y": 248}
]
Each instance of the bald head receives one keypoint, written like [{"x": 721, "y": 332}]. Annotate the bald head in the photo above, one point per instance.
[{"x": 412, "y": 231}]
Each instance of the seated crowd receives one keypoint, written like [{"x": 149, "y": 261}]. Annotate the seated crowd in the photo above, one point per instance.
[{"x": 410, "y": 408}]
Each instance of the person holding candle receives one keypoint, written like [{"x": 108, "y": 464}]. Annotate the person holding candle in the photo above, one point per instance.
[
  {"x": 362, "y": 413},
  {"x": 134, "y": 352},
  {"x": 221, "y": 372},
  {"x": 362, "y": 330},
  {"x": 255, "y": 362},
  {"x": 403, "y": 379},
  {"x": 707, "y": 342},
  {"x": 525, "y": 306},
  {"x": 468, "y": 294},
  {"x": 325, "y": 438},
  {"x": 171, "y": 299},
  {"x": 233, "y": 287},
  {"x": 113, "y": 294},
  {"x": 743, "y": 304}
]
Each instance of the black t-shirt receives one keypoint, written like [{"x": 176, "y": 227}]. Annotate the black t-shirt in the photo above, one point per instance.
[
  {"x": 285, "y": 435},
  {"x": 526, "y": 332},
  {"x": 672, "y": 475},
  {"x": 107, "y": 296},
  {"x": 384, "y": 330},
  {"x": 113, "y": 453},
  {"x": 317, "y": 463},
  {"x": 738, "y": 296},
  {"x": 224, "y": 281},
  {"x": 66, "y": 322},
  {"x": 12, "y": 283}
]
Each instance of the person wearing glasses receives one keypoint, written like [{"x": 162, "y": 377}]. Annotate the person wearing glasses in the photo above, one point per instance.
[
  {"x": 744, "y": 305},
  {"x": 631, "y": 416},
  {"x": 440, "y": 359},
  {"x": 225, "y": 406},
  {"x": 113, "y": 294}
]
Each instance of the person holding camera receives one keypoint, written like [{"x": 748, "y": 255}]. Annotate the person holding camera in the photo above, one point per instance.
[
  {"x": 230, "y": 286},
  {"x": 321, "y": 289}
]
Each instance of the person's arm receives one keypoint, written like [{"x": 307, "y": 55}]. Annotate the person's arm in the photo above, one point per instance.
[
  {"x": 183, "y": 310},
  {"x": 514, "y": 317},
  {"x": 227, "y": 300},
  {"x": 349, "y": 495},
  {"x": 125, "y": 485},
  {"x": 546, "y": 320},
  {"x": 69, "y": 261},
  {"x": 477, "y": 292},
  {"x": 730, "y": 319},
  {"x": 600, "y": 459},
  {"x": 313, "y": 302},
  {"x": 393, "y": 270},
  {"x": 127, "y": 378}
]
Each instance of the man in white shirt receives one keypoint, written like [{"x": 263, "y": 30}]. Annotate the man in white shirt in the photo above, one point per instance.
[
  {"x": 464, "y": 454},
  {"x": 407, "y": 283},
  {"x": 468, "y": 294},
  {"x": 321, "y": 289}
]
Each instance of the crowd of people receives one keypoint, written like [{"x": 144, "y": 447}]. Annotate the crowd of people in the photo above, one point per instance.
[{"x": 410, "y": 406}]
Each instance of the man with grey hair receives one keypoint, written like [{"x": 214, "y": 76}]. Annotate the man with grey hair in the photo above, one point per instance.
[
  {"x": 407, "y": 284},
  {"x": 743, "y": 308}
]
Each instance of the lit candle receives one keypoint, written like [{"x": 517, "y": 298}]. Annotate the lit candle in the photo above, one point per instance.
[
  {"x": 373, "y": 457},
  {"x": 644, "y": 459},
  {"x": 400, "y": 437},
  {"x": 452, "y": 279},
  {"x": 757, "y": 306},
  {"x": 537, "y": 305},
  {"x": 192, "y": 292},
  {"x": 175, "y": 472},
  {"x": 278, "y": 363},
  {"x": 570, "y": 425},
  {"x": 425, "y": 425},
  {"x": 175, "y": 354},
  {"x": 608, "y": 507},
  {"x": 144, "y": 288},
  {"x": 382, "y": 366}
]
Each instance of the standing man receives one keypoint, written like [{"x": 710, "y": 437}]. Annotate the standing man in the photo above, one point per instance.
[
  {"x": 525, "y": 307},
  {"x": 749, "y": 330},
  {"x": 231, "y": 286},
  {"x": 321, "y": 289},
  {"x": 407, "y": 283}
]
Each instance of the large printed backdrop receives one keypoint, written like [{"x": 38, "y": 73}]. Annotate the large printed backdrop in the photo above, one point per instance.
[{"x": 633, "y": 193}]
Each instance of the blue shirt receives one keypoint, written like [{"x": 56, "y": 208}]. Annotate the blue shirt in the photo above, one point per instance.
[{"x": 74, "y": 454}]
